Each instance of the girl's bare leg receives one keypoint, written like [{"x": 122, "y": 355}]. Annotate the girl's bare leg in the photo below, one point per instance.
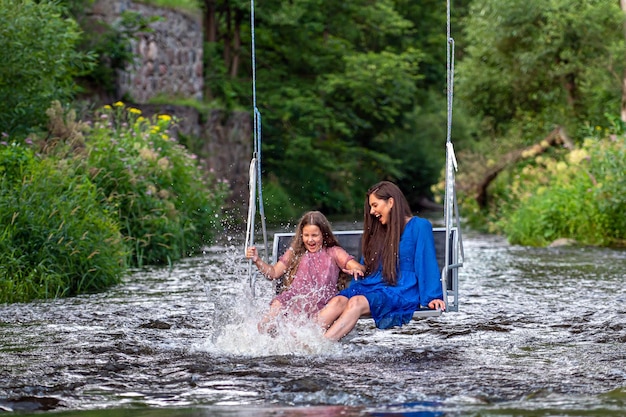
[
  {"x": 354, "y": 308},
  {"x": 267, "y": 325},
  {"x": 331, "y": 311}
]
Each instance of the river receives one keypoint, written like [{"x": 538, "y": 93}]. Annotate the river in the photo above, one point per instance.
[{"x": 539, "y": 332}]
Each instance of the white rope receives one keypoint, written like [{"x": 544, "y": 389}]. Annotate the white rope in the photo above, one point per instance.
[
  {"x": 250, "y": 223},
  {"x": 251, "y": 205},
  {"x": 255, "y": 184}
]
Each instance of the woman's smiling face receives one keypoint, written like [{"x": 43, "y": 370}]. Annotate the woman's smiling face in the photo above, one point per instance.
[
  {"x": 312, "y": 238},
  {"x": 380, "y": 208}
]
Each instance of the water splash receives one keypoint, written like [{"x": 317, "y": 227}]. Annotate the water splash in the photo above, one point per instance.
[{"x": 236, "y": 315}]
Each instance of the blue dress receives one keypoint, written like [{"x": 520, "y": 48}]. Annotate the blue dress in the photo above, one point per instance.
[{"x": 419, "y": 280}]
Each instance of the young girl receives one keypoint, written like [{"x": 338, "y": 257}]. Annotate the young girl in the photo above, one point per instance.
[
  {"x": 401, "y": 271},
  {"x": 311, "y": 268}
]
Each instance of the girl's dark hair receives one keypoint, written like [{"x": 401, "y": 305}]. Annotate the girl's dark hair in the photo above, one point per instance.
[
  {"x": 381, "y": 242},
  {"x": 329, "y": 240}
]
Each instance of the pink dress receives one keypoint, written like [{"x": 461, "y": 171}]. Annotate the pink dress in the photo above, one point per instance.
[{"x": 315, "y": 281}]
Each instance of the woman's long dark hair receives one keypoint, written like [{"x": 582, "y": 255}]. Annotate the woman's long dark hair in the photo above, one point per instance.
[{"x": 381, "y": 242}]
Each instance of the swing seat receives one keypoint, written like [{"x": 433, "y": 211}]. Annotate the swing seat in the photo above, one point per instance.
[{"x": 350, "y": 240}]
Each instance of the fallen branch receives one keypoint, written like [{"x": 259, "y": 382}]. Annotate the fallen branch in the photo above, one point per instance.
[{"x": 556, "y": 137}]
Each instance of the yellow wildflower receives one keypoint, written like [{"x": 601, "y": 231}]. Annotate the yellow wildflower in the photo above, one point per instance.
[
  {"x": 576, "y": 156},
  {"x": 118, "y": 104}
]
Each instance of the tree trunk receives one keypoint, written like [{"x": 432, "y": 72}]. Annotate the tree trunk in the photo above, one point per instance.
[
  {"x": 228, "y": 39},
  {"x": 234, "y": 65},
  {"x": 622, "y": 4},
  {"x": 210, "y": 21}
]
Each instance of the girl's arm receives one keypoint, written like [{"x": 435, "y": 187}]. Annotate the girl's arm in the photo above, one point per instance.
[
  {"x": 354, "y": 268},
  {"x": 270, "y": 271},
  {"x": 346, "y": 262}
]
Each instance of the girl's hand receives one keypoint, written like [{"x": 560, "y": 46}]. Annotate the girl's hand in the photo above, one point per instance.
[
  {"x": 355, "y": 273},
  {"x": 251, "y": 253}
]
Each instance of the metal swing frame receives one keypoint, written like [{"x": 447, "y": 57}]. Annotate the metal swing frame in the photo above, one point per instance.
[{"x": 350, "y": 240}]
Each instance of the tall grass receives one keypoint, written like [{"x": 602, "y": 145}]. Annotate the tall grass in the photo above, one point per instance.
[
  {"x": 102, "y": 197},
  {"x": 55, "y": 239}
]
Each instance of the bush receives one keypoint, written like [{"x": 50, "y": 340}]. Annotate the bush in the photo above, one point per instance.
[
  {"x": 166, "y": 207},
  {"x": 55, "y": 239},
  {"x": 581, "y": 197},
  {"x": 39, "y": 61}
]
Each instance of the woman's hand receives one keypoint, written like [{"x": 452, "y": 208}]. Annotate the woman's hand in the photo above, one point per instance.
[{"x": 437, "y": 305}]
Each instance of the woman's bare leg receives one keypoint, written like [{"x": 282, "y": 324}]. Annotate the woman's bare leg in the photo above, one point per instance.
[
  {"x": 354, "y": 308},
  {"x": 331, "y": 311}
]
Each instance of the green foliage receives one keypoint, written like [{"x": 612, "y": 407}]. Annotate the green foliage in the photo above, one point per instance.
[
  {"x": 39, "y": 61},
  {"x": 220, "y": 87},
  {"x": 376, "y": 87},
  {"x": 580, "y": 197},
  {"x": 532, "y": 65},
  {"x": 336, "y": 82},
  {"x": 165, "y": 207},
  {"x": 342, "y": 86},
  {"x": 278, "y": 205},
  {"x": 111, "y": 44},
  {"x": 188, "y": 5},
  {"x": 121, "y": 192},
  {"x": 55, "y": 238}
]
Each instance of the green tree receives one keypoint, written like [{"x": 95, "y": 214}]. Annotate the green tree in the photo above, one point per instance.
[
  {"x": 39, "y": 61},
  {"x": 338, "y": 86},
  {"x": 533, "y": 64},
  {"x": 344, "y": 76}
]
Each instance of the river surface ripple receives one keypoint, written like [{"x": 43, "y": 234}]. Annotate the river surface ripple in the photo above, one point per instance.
[{"x": 540, "y": 332}]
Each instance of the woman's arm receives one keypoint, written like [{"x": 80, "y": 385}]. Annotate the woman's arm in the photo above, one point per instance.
[{"x": 426, "y": 267}]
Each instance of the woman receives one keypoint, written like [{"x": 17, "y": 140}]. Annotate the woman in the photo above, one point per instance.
[
  {"x": 311, "y": 267},
  {"x": 401, "y": 270}
]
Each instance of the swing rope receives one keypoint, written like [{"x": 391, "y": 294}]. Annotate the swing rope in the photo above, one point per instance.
[
  {"x": 451, "y": 209},
  {"x": 255, "y": 185}
]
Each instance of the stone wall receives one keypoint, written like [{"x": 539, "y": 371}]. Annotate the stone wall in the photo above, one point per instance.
[
  {"x": 169, "y": 62},
  {"x": 229, "y": 151},
  {"x": 169, "y": 59}
]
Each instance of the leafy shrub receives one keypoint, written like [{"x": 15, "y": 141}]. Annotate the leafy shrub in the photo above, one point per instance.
[
  {"x": 39, "y": 61},
  {"x": 166, "y": 207},
  {"x": 55, "y": 238},
  {"x": 581, "y": 197}
]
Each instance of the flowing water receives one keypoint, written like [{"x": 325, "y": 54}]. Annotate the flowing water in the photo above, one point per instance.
[{"x": 540, "y": 332}]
